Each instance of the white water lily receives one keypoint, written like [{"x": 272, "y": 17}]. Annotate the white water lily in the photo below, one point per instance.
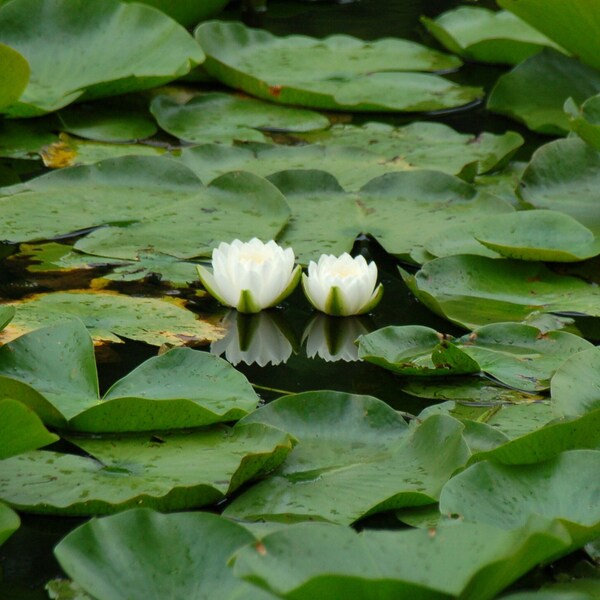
[
  {"x": 250, "y": 276},
  {"x": 342, "y": 286}
]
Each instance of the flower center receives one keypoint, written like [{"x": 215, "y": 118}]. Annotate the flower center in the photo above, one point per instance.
[
  {"x": 344, "y": 271},
  {"x": 255, "y": 257}
]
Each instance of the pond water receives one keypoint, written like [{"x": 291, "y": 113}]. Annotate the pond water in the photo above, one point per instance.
[{"x": 26, "y": 560}]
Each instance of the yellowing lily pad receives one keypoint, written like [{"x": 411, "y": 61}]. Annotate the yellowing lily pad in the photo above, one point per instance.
[
  {"x": 110, "y": 316},
  {"x": 339, "y": 72}
]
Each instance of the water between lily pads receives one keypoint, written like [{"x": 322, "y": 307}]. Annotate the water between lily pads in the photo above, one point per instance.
[{"x": 304, "y": 363}]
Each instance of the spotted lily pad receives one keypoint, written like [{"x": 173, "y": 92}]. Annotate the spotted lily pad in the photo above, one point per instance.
[
  {"x": 133, "y": 48},
  {"x": 484, "y": 35},
  {"x": 110, "y": 315},
  {"x": 173, "y": 471},
  {"x": 220, "y": 117},
  {"x": 476, "y": 290},
  {"x": 517, "y": 355},
  {"x": 339, "y": 72}
]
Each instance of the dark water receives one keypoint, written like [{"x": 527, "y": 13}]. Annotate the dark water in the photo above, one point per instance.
[{"x": 26, "y": 561}]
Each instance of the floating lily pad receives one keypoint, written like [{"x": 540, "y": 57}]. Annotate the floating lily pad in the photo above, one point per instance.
[
  {"x": 338, "y": 72},
  {"x": 424, "y": 145},
  {"x": 564, "y": 488},
  {"x": 133, "y": 48},
  {"x": 153, "y": 204},
  {"x": 395, "y": 208},
  {"x": 576, "y": 385},
  {"x": 24, "y": 138},
  {"x": 476, "y": 290},
  {"x": 223, "y": 118},
  {"x": 535, "y": 91},
  {"x": 13, "y": 77},
  {"x": 70, "y": 152},
  {"x": 517, "y": 355},
  {"x": 180, "y": 388},
  {"x": 483, "y": 35},
  {"x": 103, "y": 124},
  {"x": 169, "y": 472},
  {"x": 502, "y": 183},
  {"x": 109, "y": 315},
  {"x": 349, "y": 442},
  {"x": 321, "y": 560},
  {"x": 20, "y": 429},
  {"x": 352, "y": 167},
  {"x": 585, "y": 119},
  {"x": 563, "y": 176},
  {"x": 9, "y": 522},
  {"x": 191, "y": 551},
  {"x": 574, "y": 24}
]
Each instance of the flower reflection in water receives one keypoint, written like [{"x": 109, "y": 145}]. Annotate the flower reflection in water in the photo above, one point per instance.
[
  {"x": 262, "y": 339},
  {"x": 332, "y": 339}
]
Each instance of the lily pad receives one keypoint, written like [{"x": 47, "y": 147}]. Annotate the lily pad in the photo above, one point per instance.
[
  {"x": 483, "y": 35},
  {"x": 535, "y": 91},
  {"x": 321, "y": 560},
  {"x": 576, "y": 385},
  {"x": 133, "y": 48},
  {"x": 563, "y": 176},
  {"x": 395, "y": 208},
  {"x": 338, "y": 72},
  {"x": 564, "y": 488},
  {"x": 103, "y": 124},
  {"x": 424, "y": 145},
  {"x": 21, "y": 429},
  {"x": 110, "y": 316},
  {"x": 178, "y": 389},
  {"x": 475, "y": 290},
  {"x": 219, "y": 117},
  {"x": 349, "y": 443},
  {"x": 152, "y": 204},
  {"x": 517, "y": 355},
  {"x": 184, "y": 553},
  {"x": 24, "y": 138},
  {"x": 167, "y": 472},
  {"x": 13, "y": 77},
  {"x": 574, "y": 24},
  {"x": 585, "y": 119},
  {"x": 187, "y": 12},
  {"x": 9, "y": 522}
]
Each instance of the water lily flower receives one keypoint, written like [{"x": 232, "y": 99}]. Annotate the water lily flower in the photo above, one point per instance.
[
  {"x": 250, "y": 276},
  {"x": 342, "y": 286},
  {"x": 260, "y": 339}
]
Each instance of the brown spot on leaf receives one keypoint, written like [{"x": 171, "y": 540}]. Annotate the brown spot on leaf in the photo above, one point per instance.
[
  {"x": 261, "y": 549},
  {"x": 275, "y": 90}
]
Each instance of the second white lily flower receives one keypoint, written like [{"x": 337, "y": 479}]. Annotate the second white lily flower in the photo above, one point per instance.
[
  {"x": 342, "y": 286},
  {"x": 250, "y": 276}
]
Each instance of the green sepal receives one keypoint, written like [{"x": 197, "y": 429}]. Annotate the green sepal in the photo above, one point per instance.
[
  {"x": 373, "y": 302},
  {"x": 334, "y": 304},
  {"x": 290, "y": 287},
  {"x": 247, "y": 305},
  {"x": 208, "y": 281}
]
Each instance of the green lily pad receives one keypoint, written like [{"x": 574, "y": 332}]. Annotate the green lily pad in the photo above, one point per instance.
[
  {"x": 349, "y": 443},
  {"x": 13, "y": 77},
  {"x": 24, "y": 138},
  {"x": 219, "y": 117},
  {"x": 106, "y": 124},
  {"x": 585, "y": 119},
  {"x": 339, "y": 72},
  {"x": 65, "y": 589},
  {"x": 352, "y": 167},
  {"x": 576, "y": 385},
  {"x": 321, "y": 560},
  {"x": 517, "y": 355},
  {"x": 191, "y": 551},
  {"x": 9, "y": 522},
  {"x": 574, "y": 24},
  {"x": 563, "y": 176},
  {"x": 424, "y": 145},
  {"x": 170, "y": 472},
  {"x": 475, "y": 290},
  {"x": 109, "y": 315},
  {"x": 21, "y": 429},
  {"x": 187, "y": 12},
  {"x": 563, "y": 488},
  {"x": 133, "y": 48},
  {"x": 152, "y": 204},
  {"x": 535, "y": 91},
  {"x": 178, "y": 389},
  {"x": 483, "y": 35},
  {"x": 395, "y": 208},
  {"x": 502, "y": 183}
]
